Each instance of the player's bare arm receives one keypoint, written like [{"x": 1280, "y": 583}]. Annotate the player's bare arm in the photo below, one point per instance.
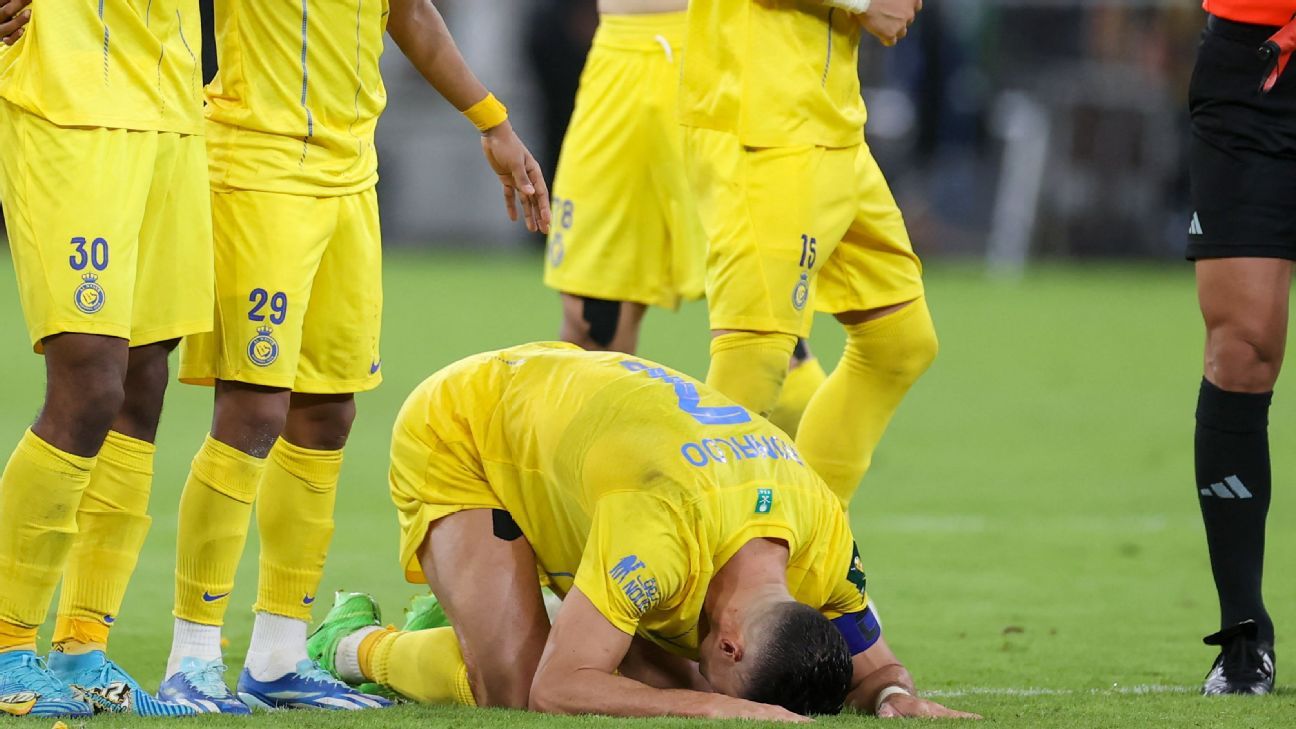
[
  {"x": 14, "y": 14},
  {"x": 422, "y": 35},
  {"x": 577, "y": 675},
  {"x": 883, "y": 686}
]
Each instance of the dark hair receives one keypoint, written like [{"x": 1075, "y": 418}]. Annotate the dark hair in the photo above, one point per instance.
[{"x": 803, "y": 663}]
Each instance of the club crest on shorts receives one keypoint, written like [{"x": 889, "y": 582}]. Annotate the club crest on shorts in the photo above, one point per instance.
[
  {"x": 263, "y": 350},
  {"x": 89, "y": 296},
  {"x": 801, "y": 292}
]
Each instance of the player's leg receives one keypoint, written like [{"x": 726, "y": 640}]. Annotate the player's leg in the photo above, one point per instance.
[
  {"x": 295, "y": 521},
  {"x": 1244, "y": 304},
  {"x": 339, "y": 355},
  {"x": 252, "y": 357},
  {"x": 486, "y": 580},
  {"x": 73, "y": 231},
  {"x": 772, "y": 216},
  {"x": 805, "y": 376},
  {"x": 1242, "y": 236},
  {"x": 113, "y": 516},
  {"x": 873, "y": 285},
  {"x": 600, "y": 324},
  {"x": 611, "y": 248}
]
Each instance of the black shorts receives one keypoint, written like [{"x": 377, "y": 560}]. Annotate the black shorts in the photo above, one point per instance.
[{"x": 1242, "y": 159}]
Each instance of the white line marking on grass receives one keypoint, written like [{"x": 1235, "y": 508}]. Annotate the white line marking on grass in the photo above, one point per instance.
[{"x": 1115, "y": 690}]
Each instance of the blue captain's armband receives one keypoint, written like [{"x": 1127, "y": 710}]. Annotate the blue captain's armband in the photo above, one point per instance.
[{"x": 861, "y": 630}]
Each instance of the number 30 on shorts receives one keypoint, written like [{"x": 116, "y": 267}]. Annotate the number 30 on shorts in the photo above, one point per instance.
[
  {"x": 88, "y": 253},
  {"x": 278, "y": 306}
]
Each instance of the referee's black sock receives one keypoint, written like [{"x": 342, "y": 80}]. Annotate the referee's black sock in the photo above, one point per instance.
[{"x": 1233, "y": 487}]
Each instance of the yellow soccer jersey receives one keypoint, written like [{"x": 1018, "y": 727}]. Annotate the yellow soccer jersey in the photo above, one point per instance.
[
  {"x": 124, "y": 64},
  {"x": 631, "y": 481},
  {"x": 297, "y": 98},
  {"x": 776, "y": 73}
]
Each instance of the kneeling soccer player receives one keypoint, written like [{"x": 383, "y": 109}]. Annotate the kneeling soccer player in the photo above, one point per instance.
[{"x": 706, "y": 570}]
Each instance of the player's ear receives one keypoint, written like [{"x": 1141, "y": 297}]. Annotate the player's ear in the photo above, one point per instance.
[{"x": 731, "y": 649}]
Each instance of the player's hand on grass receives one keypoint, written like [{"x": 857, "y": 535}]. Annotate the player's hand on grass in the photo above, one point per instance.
[
  {"x": 889, "y": 20},
  {"x": 13, "y": 16},
  {"x": 519, "y": 174},
  {"x": 905, "y": 706}
]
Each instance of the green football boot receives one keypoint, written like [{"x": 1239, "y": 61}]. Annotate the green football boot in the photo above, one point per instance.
[
  {"x": 351, "y": 611},
  {"x": 425, "y": 612}
]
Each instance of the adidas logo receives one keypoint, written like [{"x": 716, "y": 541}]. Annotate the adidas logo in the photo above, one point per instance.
[
  {"x": 1231, "y": 488},
  {"x": 1194, "y": 228}
]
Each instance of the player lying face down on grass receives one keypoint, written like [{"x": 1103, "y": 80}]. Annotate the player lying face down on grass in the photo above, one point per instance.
[{"x": 706, "y": 571}]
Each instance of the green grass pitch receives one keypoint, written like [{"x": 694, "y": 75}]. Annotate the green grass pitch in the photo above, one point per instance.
[{"x": 1029, "y": 525}]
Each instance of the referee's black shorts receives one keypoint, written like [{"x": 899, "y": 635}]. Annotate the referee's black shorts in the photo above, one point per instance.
[{"x": 1242, "y": 159}]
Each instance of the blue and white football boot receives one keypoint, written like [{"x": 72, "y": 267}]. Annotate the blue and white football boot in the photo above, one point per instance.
[
  {"x": 107, "y": 688},
  {"x": 28, "y": 688},
  {"x": 201, "y": 685},
  {"x": 309, "y": 687}
]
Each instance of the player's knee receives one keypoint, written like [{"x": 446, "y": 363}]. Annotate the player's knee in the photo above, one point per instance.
[
  {"x": 903, "y": 342},
  {"x": 320, "y": 422},
  {"x": 146, "y": 385},
  {"x": 1238, "y": 360},
  {"x": 85, "y": 389},
  {"x": 248, "y": 417},
  {"x": 98, "y": 401}
]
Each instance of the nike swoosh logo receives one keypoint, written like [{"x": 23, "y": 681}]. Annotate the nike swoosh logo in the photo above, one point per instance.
[
  {"x": 308, "y": 600},
  {"x": 208, "y": 597},
  {"x": 109, "y": 619},
  {"x": 373, "y": 368}
]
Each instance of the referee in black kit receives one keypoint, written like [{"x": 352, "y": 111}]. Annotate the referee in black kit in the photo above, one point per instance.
[{"x": 1243, "y": 239}]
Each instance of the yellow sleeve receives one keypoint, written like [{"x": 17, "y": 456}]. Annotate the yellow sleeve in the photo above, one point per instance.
[
  {"x": 638, "y": 557},
  {"x": 848, "y": 591}
]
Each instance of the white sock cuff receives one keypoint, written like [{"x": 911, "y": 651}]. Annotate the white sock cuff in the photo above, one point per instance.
[
  {"x": 347, "y": 658},
  {"x": 193, "y": 640}
]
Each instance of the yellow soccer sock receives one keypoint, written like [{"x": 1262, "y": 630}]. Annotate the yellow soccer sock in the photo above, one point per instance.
[
  {"x": 749, "y": 367},
  {"x": 424, "y": 666},
  {"x": 848, "y": 415},
  {"x": 801, "y": 384},
  {"x": 39, "y": 494},
  {"x": 215, "y": 511},
  {"x": 295, "y": 521},
  {"x": 113, "y": 522}
]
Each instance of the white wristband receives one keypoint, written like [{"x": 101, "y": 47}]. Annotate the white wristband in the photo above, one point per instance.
[
  {"x": 858, "y": 7},
  {"x": 886, "y": 693}
]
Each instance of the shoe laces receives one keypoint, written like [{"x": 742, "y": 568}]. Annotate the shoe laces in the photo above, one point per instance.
[
  {"x": 209, "y": 679},
  {"x": 313, "y": 671},
  {"x": 36, "y": 676},
  {"x": 110, "y": 673},
  {"x": 1242, "y": 659}
]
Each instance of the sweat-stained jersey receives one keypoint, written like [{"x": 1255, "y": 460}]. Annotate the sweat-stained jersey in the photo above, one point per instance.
[
  {"x": 297, "y": 98},
  {"x": 632, "y": 483},
  {"x": 118, "y": 64},
  {"x": 776, "y": 73}
]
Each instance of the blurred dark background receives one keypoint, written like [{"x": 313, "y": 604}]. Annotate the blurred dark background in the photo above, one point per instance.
[{"x": 1009, "y": 129}]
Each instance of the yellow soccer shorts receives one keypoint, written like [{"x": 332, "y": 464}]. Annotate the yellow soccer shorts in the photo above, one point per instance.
[
  {"x": 298, "y": 294},
  {"x": 435, "y": 468},
  {"x": 109, "y": 229},
  {"x": 625, "y": 226},
  {"x": 792, "y": 230}
]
